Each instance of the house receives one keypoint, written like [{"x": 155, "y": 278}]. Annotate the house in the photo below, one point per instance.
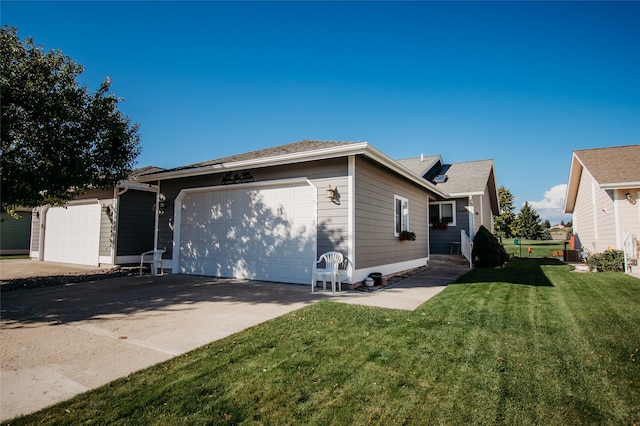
[
  {"x": 101, "y": 227},
  {"x": 269, "y": 214},
  {"x": 15, "y": 232},
  {"x": 602, "y": 196},
  {"x": 472, "y": 198}
]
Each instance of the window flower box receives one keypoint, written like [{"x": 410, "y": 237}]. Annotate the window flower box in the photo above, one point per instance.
[
  {"x": 440, "y": 225},
  {"x": 407, "y": 236}
]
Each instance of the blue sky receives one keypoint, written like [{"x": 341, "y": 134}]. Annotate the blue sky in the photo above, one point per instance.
[{"x": 522, "y": 83}]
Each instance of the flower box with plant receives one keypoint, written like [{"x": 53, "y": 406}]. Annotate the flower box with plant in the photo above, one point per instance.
[
  {"x": 407, "y": 236},
  {"x": 440, "y": 225}
]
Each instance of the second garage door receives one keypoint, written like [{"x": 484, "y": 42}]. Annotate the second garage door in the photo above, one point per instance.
[
  {"x": 72, "y": 234},
  {"x": 262, "y": 233}
]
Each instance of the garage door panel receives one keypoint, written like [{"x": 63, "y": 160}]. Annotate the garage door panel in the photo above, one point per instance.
[
  {"x": 72, "y": 234},
  {"x": 266, "y": 233}
]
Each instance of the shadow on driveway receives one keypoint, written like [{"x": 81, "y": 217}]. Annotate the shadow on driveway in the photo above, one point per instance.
[{"x": 132, "y": 295}]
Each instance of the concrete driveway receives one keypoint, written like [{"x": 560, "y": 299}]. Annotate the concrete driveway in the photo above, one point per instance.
[{"x": 59, "y": 341}]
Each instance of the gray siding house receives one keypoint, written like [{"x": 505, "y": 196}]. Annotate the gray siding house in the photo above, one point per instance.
[
  {"x": 269, "y": 214},
  {"x": 472, "y": 199},
  {"x": 102, "y": 227},
  {"x": 15, "y": 233}
]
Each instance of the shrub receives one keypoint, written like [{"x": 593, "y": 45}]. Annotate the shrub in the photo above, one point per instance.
[
  {"x": 607, "y": 261},
  {"x": 487, "y": 251}
]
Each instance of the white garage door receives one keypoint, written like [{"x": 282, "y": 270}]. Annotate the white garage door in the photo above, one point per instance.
[
  {"x": 266, "y": 233},
  {"x": 72, "y": 234}
]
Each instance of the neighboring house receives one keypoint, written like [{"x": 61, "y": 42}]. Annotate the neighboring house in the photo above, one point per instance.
[
  {"x": 602, "y": 196},
  {"x": 269, "y": 214},
  {"x": 15, "y": 233},
  {"x": 102, "y": 227},
  {"x": 472, "y": 199}
]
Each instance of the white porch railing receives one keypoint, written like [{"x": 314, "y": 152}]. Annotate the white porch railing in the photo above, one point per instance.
[
  {"x": 631, "y": 245},
  {"x": 466, "y": 246}
]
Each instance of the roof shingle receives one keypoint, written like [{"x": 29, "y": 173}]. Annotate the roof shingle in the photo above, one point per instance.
[{"x": 617, "y": 164}]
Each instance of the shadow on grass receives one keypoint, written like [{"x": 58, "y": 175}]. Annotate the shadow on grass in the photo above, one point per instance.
[{"x": 518, "y": 271}]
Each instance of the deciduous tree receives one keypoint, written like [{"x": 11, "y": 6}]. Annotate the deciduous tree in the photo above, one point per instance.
[{"x": 58, "y": 139}]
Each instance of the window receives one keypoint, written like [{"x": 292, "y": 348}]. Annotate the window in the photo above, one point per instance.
[
  {"x": 442, "y": 213},
  {"x": 401, "y": 210}
]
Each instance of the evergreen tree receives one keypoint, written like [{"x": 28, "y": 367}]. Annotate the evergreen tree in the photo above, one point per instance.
[
  {"x": 528, "y": 223},
  {"x": 504, "y": 223}
]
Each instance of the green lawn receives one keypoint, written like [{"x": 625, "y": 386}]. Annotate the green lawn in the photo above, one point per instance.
[
  {"x": 539, "y": 248},
  {"x": 532, "y": 343}
]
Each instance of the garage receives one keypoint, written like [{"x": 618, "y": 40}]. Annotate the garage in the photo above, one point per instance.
[
  {"x": 261, "y": 231},
  {"x": 72, "y": 234}
]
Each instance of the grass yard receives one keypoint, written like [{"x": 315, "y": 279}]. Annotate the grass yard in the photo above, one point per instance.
[
  {"x": 532, "y": 343},
  {"x": 539, "y": 248}
]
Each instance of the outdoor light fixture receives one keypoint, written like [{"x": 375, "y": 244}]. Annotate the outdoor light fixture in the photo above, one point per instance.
[
  {"x": 331, "y": 193},
  {"x": 630, "y": 198},
  {"x": 162, "y": 203}
]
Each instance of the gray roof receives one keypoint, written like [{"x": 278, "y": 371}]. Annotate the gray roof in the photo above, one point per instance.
[
  {"x": 462, "y": 178},
  {"x": 420, "y": 165},
  {"x": 144, "y": 171},
  {"x": 277, "y": 151}
]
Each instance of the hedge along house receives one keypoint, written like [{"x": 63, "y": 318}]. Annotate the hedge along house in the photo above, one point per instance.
[
  {"x": 472, "y": 199},
  {"x": 269, "y": 214},
  {"x": 101, "y": 227}
]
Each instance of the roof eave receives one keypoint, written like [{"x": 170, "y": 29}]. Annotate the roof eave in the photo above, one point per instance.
[
  {"x": 396, "y": 167},
  {"x": 359, "y": 148},
  {"x": 298, "y": 157},
  {"x": 575, "y": 171},
  {"x": 619, "y": 185}
]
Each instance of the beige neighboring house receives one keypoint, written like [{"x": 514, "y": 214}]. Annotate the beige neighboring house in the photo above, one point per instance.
[{"x": 602, "y": 196}]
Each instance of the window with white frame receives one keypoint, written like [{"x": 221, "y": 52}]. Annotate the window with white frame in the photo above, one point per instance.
[
  {"x": 401, "y": 214},
  {"x": 444, "y": 212}
]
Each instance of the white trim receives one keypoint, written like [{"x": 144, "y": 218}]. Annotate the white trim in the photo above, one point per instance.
[
  {"x": 403, "y": 201},
  {"x": 351, "y": 227},
  {"x": 137, "y": 186},
  {"x": 361, "y": 274},
  {"x": 453, "y": 208},
  {"x": 616, "y": 220},
  {"x": 177, "y": 207},
  {"x": 359, "y": 148},
  {"x": 105, "y": 260}
]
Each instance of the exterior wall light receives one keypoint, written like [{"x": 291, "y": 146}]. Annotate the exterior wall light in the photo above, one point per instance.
[
  {"x": 630, "y": 198},
  {"x": 162, "y": 203},
  {"x": 331, "y": 193}
]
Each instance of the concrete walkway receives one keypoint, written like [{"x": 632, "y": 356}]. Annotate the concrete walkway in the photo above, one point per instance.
[{"x": 59, "y": 341}]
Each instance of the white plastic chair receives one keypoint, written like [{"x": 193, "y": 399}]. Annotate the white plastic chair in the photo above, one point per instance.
[
  {"x": 155, "y": 262},
  {"x": 333, "y": 260}
]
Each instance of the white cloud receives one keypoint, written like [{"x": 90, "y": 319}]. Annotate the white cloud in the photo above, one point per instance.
[{"x": 551, "y": 207}]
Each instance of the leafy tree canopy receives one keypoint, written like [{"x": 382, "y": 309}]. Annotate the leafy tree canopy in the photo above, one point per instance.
[
  {"x": 504, "y": 223},
  {"x": 58, "y": 139}
]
